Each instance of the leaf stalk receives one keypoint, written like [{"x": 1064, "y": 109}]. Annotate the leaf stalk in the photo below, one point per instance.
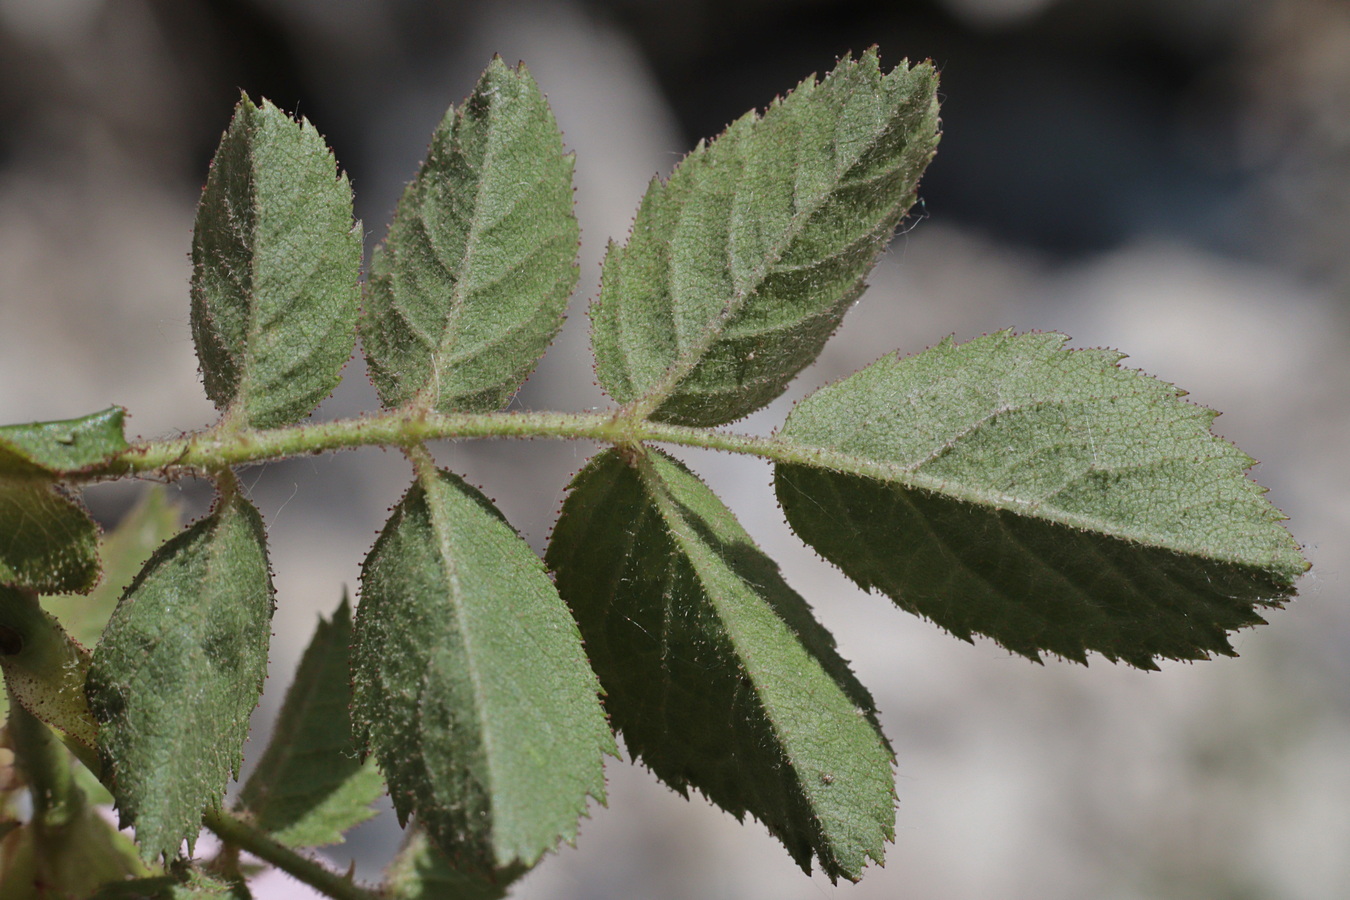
[
  {"x": 239, "y": 833},
  {"x": 208, "y": 452}
]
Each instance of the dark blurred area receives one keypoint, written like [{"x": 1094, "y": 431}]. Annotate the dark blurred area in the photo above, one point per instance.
[
  {"x": 1167, "y": 176},
  {"x": 1070, "y": 126},
  {"x": 1065, "y": 126}
]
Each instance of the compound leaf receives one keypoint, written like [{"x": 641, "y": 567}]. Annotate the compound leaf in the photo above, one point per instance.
[
  {"x": 179, "y": 670},
  {"x": 1046, "y": 498},
  {"x": 310, "y": 785},
  {"x": 48, "y": 543},
  {"x": 470, "y": 682},
  {"x": 470, "y": 286},
  {"x": 69, "y": 445},
  {"x": 275, "y": 262},
  {"x": 741, "y": 266},
  {"x": 714, "y": 669}
]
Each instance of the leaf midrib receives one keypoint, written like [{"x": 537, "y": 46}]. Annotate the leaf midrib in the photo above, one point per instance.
[
  {"x": 161, "y": 820},
  {"x": 822, "y": 842},
  {"x": 432, "y": 483},
  {"x": 689, "y": 359},
  {"x": 427, "y": 395},
  {"x": 698, "y": 553},
  {"x": 253, "y": 222},
  {"x": 912, "y": 479}
]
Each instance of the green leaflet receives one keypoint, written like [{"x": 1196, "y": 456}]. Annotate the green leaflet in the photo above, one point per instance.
[
  {"x": 310, "y": 785},
  {"x": 275, "y": 262},
  {"x": 69, "y": 445},
  {"x": 470, "y": 286},
  {"x": 741, "y": 266},
  {"x": 1047, "y": 498},
  {"x": 179, "y": 670},
  {"x": 714, "y": 669},
  {"x": 470, "y": 682},
  {"x": 44, "y": 669},
  {"x": 421, "y": 872},
  {"x": 124, "y": 550},
  {"x": 48, "y": 542}
]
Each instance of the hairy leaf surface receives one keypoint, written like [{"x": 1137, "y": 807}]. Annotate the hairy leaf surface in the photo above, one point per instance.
[
  {"x": 68, "y": 445},
  {"x": 421, "y": 872},
  {"x": 275, "y": 262},
  {"x": 1046, "y": 498},
  {"x": 310, "y": 785},
  {"x": 741, "y": 266},
  {"x": 470, "y": 287},
  {"x": 714, "y": 669},
  {"x": 471, "y": 684},
  {"x": 179, "y": 670},
  {"x": 48, "y": 543}
]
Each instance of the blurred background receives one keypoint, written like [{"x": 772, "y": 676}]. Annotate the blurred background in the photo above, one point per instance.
[{"x": 1167, "y": 177}]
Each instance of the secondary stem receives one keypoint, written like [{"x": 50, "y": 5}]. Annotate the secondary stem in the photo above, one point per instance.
[
  {"x": 243, "y": 835},
  {"x": 211, "y": 451}
]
